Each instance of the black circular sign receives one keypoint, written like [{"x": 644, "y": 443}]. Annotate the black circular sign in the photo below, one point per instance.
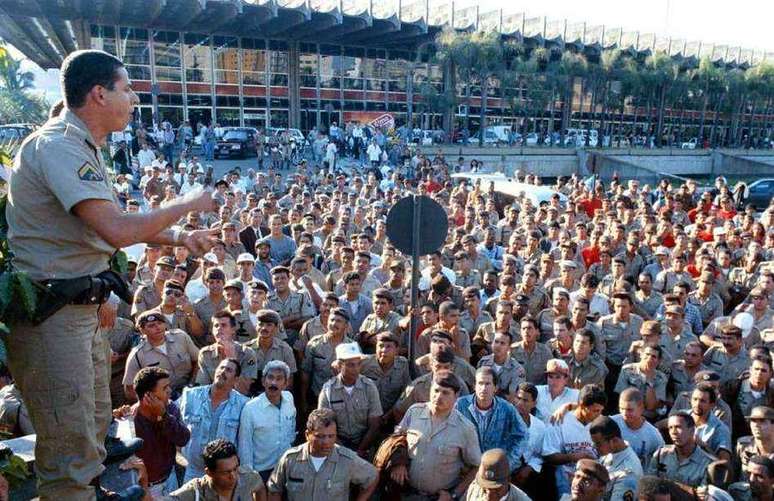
[{"x": 433, "y": 225}]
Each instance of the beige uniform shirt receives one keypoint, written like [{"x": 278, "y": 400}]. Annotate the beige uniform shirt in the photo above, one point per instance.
[
  {"x": 471, "y": 324},
  {"x": 710, "y": 307},
  {"x": 201, "y": 489},
  {"x": 728, "y": 366},
  {"x": 618, "y": 336},
  {"x": 391, "y": 382},
  {"x": 353, "y": 408},
  {"x": 631, "y": 377},
  {"x": 319, "y": 354},
  {"x": 418, "y": 391},
  {"x": 373, "y": 325},
  {"x": 534, "y": 363},
  {"x": 209, "y": 360},
  {"x": 439, "y": 452},
  {"x": 204, "y": 309},
  {"x": 311, "y": 328},
  {"x": 476, "y": 493},
  {"x": 296, "y": 479},
  {"x": 690, "y": 471},
  {"x": 146, "y": 298},
  {"x": 460, "y": 367},
  {"x": 486, "y": 332},
  {"x": 177, "y": 356},
  {"x": 57, "y": 166},
  {"x": 279, "y": 350},
  {"x": 591, "y": 371}
]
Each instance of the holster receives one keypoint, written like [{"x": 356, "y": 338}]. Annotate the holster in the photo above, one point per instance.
[{"x": 57, "y": 294}]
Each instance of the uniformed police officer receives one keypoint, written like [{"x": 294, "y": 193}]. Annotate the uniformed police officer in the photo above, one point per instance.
[
  {"x": 761, "y": 442},
  {"x": 321, "y": 470},
  {"x": 170, "y": 349},
  {"x": 622, "y": 463},
  {"x": 684, "y": 461},
  {"x": 492, "y": 480},
  {"x": 64, "y": 223},
  {"x": 760, "y": 471},
  {"x": 148, "y": 296},
  {"x": 355, "y": 400},
  {"x": 225, "y": 346}
]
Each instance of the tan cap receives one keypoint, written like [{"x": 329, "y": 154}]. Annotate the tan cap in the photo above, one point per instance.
[
  {"x": 596, "y": 470},
  {"x": 494, "y": 470},
  {"x": 762, "y": 412},
  {"x": 557, "y": 365}
]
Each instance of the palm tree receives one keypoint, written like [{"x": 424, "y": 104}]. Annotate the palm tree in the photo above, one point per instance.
[{"x": 17, "y": 102}]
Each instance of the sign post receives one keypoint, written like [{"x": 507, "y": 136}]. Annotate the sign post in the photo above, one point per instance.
[{"x": 416, "y": 225}]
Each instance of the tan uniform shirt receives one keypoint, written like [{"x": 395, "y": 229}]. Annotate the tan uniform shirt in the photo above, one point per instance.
[
  {"x": 710, "y": 307},
  {"x": 177, "y": 356},
  {"x": 204, "y": 309},
  {"x": 391, "y": 382},
  {"x": 57, "y": 167},
  {"x": 535, "y": 362},
  {"x": 296, "y": 479},
  {"x": 476, "y": 493},
  {"x": 728, "y": 366},
  {"x": 471, "y": 324},
  {"x": 691, "y": 471},
  {"x": 631, "y": 377},
  {"x": 278, "y": 350},
  {"x": 591, "y": 371},
  {"x": 319, "y": 354},
  {"x": 353, "y": 408},
  {"x": 486, "y": 332},
  {"x": 201, "y": 489},
  {"x": 209, "y": 358},
  {"x": 418, "y": 391},
  {"x": 460, "y": 367},
  {"x": 373, "y": 325},
  {"x": 146, "y": 298},
  {"x": 310, "y": 329},
  {"x": 439, "y": 453},
  {"x": 618, "y": 336}
]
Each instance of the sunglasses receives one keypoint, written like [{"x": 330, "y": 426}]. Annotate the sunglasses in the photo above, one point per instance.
[{"x": 173, "y": 292}]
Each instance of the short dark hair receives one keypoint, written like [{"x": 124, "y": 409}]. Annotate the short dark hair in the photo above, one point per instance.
[
  {"x": 686, "y": 417},
  {"x": 82, "y": 70},
  {"x": 320, "y": 418},
  {"x": 238, "y": 370},
  {"x": 764, "y": 461},
  {"x": 605, "y": 426},
  {"x": 709, "y": 389},
  {"x": 225, "y": 314},
  {"x": 650, "y": 487},
  {"x": 588, "y": 334},
  {"x": 592, "y": 394},
  {"x": 529, "y": 388},
  {"x": 216, "y": 450},
  {"x": 145, "y": 380}
]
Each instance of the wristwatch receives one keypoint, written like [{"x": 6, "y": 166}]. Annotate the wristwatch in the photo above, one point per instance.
[{"x": 455, "y": 495}]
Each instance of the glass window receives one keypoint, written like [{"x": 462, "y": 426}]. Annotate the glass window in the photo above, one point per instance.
[
  {"x": 104, "y": 38},
  {"x": 166, "y": 51},
  {"x": 171, "y": 114},
  {"x": 330, "y": 66},
  {"x": 226, "y": 54},
  {"x": 397, "y": 74},
  {"x": 227, "y": 101},
  {"x": 352, "y": 67},
  {"x": 254, "y": 102},
  {"x": 307, "y": 69},
  {"x": 278, "y": 64},
  {"x": 199, "y": 100},
  {"x": 254, "y": 57},
  {"x": 198, "y": 58},
  {"x": 171, "y": 99},
  {"x": 135, "y": 52}
]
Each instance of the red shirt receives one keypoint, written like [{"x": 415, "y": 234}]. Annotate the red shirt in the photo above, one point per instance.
[
  {"x": 590, "y": 205},
  {"x": 668, "y": 240},
  {"x": 727, "y": 214},
  {"x": 590, "y": 255},
  {"x": 431, "y": 186}
]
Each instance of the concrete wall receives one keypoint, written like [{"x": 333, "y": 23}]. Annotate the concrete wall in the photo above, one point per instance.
[{"x": 644, "y": 164}]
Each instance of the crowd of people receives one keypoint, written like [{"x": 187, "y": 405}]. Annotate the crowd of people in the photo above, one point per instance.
[{"x": 614, "y": 346}]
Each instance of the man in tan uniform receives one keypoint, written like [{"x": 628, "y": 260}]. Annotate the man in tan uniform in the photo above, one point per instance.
[
  {"x": 172, "y": 350},
  {"x": 493, "y": 480},
  {"x": 65, "y": 223},
  {"x": 321, "y": 470},
  {"x": 225, "y": 346},
  {"x": 149, "y": 295},
  {"x": 267, "y": 347},
  {"x": 355, "y": 400},
  {"x": 442, "y": 445}
]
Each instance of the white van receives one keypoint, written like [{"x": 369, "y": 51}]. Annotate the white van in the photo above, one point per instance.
[{"x": 500, "y": 133}]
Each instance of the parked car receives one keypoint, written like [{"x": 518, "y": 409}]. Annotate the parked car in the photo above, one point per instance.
[
  {"x": 532, "y": 139},
  {"x": 16, "y": 132},
  {"x": 690, "y": 144},
  {"x": 238, "y": 142},
  {"x": 760, "y": 193}
]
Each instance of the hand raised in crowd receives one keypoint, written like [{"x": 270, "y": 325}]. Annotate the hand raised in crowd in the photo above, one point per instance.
[
  {"x": 399, "y": 475},
  {"x": 199, "y": 242}
]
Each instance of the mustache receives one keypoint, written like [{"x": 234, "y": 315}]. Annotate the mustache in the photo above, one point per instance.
[{"x": 273, "y": 388}]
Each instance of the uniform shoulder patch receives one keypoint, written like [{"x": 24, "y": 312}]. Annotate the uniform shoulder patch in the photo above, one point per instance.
[{"x": 88, "y": 172}]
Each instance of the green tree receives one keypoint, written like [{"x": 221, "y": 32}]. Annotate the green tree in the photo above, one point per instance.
[{"x": 18, "y": 103}]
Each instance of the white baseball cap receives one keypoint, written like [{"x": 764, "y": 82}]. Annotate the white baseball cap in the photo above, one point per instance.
[
  {"x": 211, "y": 257},
  {"x": 348, "y": 351},
  {"x": 245, "y": 257}
]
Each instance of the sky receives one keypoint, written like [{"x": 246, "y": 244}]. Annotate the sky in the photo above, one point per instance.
[{"x": 746, "y": 23}]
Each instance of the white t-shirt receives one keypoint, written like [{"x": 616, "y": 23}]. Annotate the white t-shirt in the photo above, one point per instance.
[
  {"x": 533, "y": 455},
  {"x": 317, "y": 462},
  {"x": 568, "y": 437},
  {"x": 545, "y": 406},
  {"x": 644, "y": 441}
]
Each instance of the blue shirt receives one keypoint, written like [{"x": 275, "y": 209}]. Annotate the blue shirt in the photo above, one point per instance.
[
  {"x": 502, "y": 427},
  {"x": 207, "y": 424},
  {"x": 714, "y": 435}
]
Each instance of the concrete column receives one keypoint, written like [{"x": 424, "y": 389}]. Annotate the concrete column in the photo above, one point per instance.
[{"x": 294, "y": 99}]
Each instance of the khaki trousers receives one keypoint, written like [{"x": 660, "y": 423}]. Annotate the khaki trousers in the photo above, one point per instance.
[{"x": 62, "y": 368}]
